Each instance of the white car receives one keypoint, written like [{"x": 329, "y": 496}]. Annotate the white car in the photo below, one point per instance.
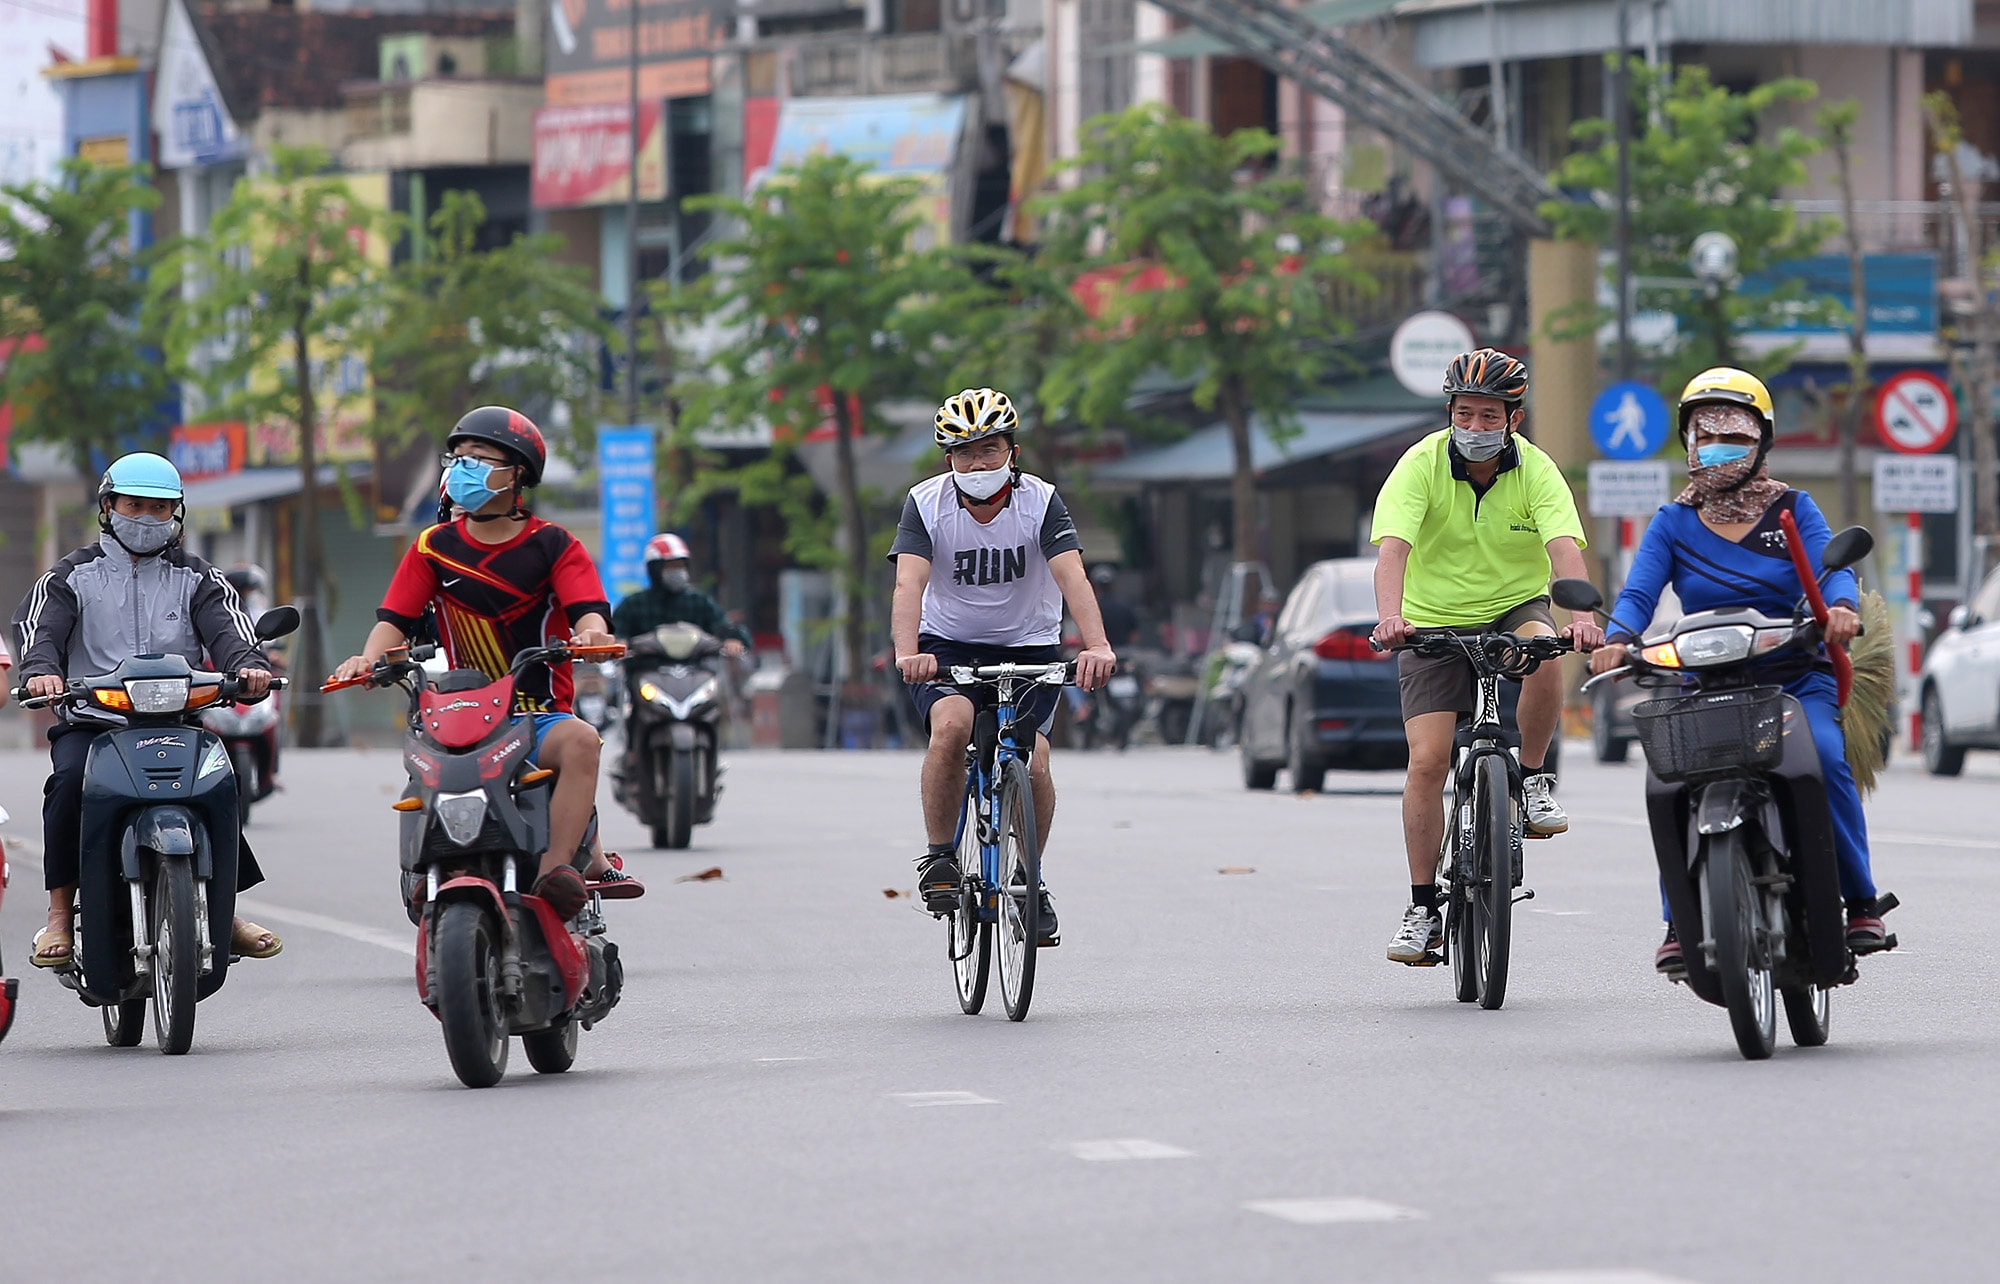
[{"x": 1960, "y": 684}]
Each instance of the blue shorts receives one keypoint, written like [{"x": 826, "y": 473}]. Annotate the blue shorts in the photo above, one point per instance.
[
  {"x": 543, "y": 721},
  {"x": 1036, "y": 705}
]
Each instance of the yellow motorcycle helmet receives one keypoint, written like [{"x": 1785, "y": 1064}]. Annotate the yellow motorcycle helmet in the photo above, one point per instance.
[{"x": 1728, "y": 386}]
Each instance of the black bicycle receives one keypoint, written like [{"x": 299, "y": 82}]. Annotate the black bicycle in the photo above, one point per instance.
[
  {"x": 1481, "y": 857},
  {"x": 999, "y": 851}
]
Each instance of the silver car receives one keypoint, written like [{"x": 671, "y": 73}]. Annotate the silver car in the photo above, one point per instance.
[{"x": 1959, "y": 687}]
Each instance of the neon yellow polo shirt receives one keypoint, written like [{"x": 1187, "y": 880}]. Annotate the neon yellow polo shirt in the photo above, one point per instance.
[{"x": 1473, "y": 556}]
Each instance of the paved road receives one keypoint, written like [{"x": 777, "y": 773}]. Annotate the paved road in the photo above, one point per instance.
[{"x": 1222, "y": 1079}]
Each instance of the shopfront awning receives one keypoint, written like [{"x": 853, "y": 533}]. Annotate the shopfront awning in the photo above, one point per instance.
[
  {"x": 256, "y": 485},
  {"x": 1205, "y": 456}
]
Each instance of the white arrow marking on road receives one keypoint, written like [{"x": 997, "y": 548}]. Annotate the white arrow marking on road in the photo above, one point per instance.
[
  {"x": 1587, "y": 1277},
  {"x": 1327, "y": 1212},
  {"x": 1126, "y": 1148},
  {"x": 943, "y": 1099}
]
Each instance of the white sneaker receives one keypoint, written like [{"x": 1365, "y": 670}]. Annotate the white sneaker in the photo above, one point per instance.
[
  {"x": 1422, "y": 931},
  {"x": 1545, "y": 814}
]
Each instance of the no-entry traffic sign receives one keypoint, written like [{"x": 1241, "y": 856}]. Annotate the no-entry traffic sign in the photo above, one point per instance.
[{"x": 1915, "y": 413}]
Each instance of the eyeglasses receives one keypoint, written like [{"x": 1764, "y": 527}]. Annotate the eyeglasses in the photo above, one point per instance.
[
  {"x": 448, "y": 458},
  {"x": 985, "y": 452}
]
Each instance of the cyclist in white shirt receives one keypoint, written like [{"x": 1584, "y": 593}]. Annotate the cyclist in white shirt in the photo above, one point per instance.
[{"x": 986, "y": 557}]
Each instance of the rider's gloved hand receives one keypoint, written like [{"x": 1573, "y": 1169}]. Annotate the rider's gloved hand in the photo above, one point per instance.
[{"x": 562, "y": 887}]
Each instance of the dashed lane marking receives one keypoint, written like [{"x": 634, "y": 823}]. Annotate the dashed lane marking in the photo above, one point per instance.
[
  {"x": 1329, "y": 1212},
  {"x": 1587, "y": 1277},
  {"x": 1115, "y": 1148},
  {"x": 915, "y": 1099}
]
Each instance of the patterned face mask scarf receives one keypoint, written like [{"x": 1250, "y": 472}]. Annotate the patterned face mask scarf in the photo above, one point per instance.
[{"x": 1738, "y": 490}]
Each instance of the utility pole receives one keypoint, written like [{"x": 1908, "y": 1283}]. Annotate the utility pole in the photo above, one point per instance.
[
  {"x": 1622, "y": 123},
  {"x": 632, "y": 225}
]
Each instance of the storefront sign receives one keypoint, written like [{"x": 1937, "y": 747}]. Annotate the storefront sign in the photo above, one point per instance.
[
  {"x": 625, "y": 502},
  {"x": 194, "y": 126},
  {"x": 584, "y": 153},
  {"x": 896, "y": 134},
  {"x": 1902, "y": 292},
  {"x": 201, "y": 451},
  {"x": 590, "y": 48}
]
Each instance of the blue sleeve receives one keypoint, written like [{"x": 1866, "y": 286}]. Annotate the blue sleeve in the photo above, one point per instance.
[
  {"x": 1652, "y": 569},
  {"x": 1842, "y": 589}
]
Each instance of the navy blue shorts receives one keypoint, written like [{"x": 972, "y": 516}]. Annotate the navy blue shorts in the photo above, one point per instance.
[{"x": 1037, "y": 704}]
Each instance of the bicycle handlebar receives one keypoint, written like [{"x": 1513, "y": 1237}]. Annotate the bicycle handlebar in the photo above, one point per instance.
[
  {"x": 1059, "y": 674},
  {"x": 1495, "y": 654}
]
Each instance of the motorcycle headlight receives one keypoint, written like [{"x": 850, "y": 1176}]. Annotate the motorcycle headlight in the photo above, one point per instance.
[
  {"x": 158, "y": 695},
  {"x": 650, "y": 693},
  {"x": 1726, "y": 645},
  {"x": 462, "y": 815}
]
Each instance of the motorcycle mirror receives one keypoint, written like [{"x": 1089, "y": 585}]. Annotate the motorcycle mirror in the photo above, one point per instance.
[
  {"x": 1576, "y": 595},
  {"x": 1847, "y": 548},
  {"x": 277, "y": 622}
]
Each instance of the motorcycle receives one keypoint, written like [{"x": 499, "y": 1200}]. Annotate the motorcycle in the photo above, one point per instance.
[
  {"x": 159, "y": 815},
  {"x": 10, "y": 987},
  {"x": 492, "y": 961},
  {"x": 669, "y": 775},
  {"x": 249, "y": 731},
  {"x": 1737, "y": 806},
  {"x": 596, "y": 699},
  {"x": 1171, "y": 685},
  {"x": 1113, "y": 710}
]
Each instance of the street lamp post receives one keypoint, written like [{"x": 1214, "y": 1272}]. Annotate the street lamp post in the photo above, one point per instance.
[{"x": 1622, "y": 124}]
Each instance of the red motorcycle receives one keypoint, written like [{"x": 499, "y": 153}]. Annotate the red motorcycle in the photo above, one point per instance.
[
  {"x": 10, "y": 987},
  {"x": 493, "y": 961}
]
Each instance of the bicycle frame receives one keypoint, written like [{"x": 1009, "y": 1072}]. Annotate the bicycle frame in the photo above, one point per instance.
[{"x": 981, "y": 803}]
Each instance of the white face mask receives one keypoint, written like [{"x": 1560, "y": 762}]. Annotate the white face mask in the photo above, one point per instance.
[
  {"x": 982, "y": 485},
  {"x": 1477, "y": 447}
]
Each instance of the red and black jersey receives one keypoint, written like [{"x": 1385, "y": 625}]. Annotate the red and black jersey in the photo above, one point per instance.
[{"x": 496, "y": 600}]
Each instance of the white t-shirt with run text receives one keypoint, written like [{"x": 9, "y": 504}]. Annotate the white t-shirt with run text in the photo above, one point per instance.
[{"x": 990, "y": 584}]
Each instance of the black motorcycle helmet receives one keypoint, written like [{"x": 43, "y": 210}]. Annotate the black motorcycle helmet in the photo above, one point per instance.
[{"x": 511, "y": 431}]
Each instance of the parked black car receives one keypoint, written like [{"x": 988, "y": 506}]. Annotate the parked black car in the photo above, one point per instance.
[{"x": 1320, "y": 698}]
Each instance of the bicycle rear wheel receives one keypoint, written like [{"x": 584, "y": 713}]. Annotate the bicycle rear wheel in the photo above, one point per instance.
[
  {"x": 968, "y": 938},
  {"x": 1492, "y": 890},
  {"x": 1019, "y": 928}
]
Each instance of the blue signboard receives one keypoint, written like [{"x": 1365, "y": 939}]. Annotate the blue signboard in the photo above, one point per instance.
[
  {"x": 625, "y": 500},
  {"x": 1902, "y": 291},
  {"x": 1628, "y": 421}
]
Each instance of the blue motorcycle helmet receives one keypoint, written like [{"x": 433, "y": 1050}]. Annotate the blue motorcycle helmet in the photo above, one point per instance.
[{"x": 144, "y": 476}]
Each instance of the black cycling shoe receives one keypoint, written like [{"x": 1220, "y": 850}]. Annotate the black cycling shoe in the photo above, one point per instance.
[
  {"x": 1050, "y": 934},
  {"x": 938, "y": 877}
]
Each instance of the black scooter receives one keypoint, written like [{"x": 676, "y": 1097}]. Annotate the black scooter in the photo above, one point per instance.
[
  {"x": 1737, "y": 807},
  {"x": 668, "y": 776},
  {"x": 159, "y": 816}
]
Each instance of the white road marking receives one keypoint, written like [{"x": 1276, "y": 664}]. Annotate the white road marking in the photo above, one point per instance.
[
  {"x": 773, "y": 1060},
  {"x": 1328, "y": 1212},
  {"x": 1904, "y": 840},
  {"x": 1126, "y": 1148},
  {"x": 404, "y": 944},
  {"x": 1587, "y": 1277},
  {"x": 943, "y": 1099},
  {"x": 1536, "y": 909}
]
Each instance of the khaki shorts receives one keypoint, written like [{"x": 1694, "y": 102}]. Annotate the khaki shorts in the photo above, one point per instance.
[{"x": 1443, "y": 683}]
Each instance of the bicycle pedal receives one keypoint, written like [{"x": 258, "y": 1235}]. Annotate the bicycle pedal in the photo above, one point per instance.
[
  {"x": 1431, "y": 958},
  {"x": 1529, "y": 833}
]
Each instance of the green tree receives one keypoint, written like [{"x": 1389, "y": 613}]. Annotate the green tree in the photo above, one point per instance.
[
  {"x": 1241, "y": 265},
  {"x": 1837, "y": 122},
  {"x": 1975, "y": 356},
  {"x": 466, "y": 327},
  {"x": 827, "y": 312},
  {"x": 1703, "y": 158},
  {"x": 283, "y": 294},
  {"x": 1020, "y": 321},
  {"x": 72, "y": 278}
]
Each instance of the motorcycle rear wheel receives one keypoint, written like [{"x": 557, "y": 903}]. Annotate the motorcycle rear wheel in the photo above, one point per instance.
[
  {"x": 1809, "y": 1014},
  {"x": 176, "y": 955},
  {"x": 124, "y": 1023},
  {"x": 1742, "y": 964},
  {"x": 468, "y": 995},
  {"x": 553, "y": 1050}
]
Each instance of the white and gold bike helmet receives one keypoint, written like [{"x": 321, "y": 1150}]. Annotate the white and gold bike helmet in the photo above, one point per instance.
[{"x": 972, "y": 414}]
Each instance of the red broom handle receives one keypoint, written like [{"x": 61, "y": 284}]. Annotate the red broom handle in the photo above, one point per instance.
[{"x": 1843, "y": 667}]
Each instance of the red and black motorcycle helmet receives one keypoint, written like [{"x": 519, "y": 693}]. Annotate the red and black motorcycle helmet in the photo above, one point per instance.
[{"x": 510, "y": 430}]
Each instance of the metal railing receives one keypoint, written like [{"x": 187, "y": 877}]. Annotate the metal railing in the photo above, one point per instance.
[{"x": 866, "y": 63}]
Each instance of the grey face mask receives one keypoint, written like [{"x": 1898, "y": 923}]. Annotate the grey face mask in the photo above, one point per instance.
[
  {"x": 1479, "y": 446},
  {"x": 142, "y": 536},
  {"x": 674, "y": 581}
]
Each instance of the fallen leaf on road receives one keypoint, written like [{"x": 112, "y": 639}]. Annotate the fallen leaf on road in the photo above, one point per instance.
[
  {"x": 1306, "y": 793},
  {"x": 893, "y": 893},
  {"x": 708, "y": 875},
  {"x": 1236, "y": 869}
]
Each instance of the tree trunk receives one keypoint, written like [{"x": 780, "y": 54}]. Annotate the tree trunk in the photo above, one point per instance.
[
  {"x": 310, "y": 725},
  {"x": 1857, "y": 334},
  {"x": 1978, "y": 382},
  {"x": 1235, "y": 407},
  {"x": 847, "y": 426}
]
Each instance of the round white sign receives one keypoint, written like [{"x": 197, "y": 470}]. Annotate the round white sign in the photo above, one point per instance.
[{"x": 1423, "y": 348}]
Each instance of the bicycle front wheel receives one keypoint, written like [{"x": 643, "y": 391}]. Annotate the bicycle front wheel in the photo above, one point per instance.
[
  {"x": 1019, "y": 928},
  {"x": 1492, "y": 891},
  {"x": 970, "y": 937}
]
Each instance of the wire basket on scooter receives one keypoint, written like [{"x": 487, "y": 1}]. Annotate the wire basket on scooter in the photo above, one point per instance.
[{"x": 1703, "y": 735}]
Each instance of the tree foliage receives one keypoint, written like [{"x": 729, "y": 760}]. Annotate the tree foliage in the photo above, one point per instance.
[
  {"x": 1703, "y": 158},
  {"x": 1020, "y": 323},
  {"x": 466, "y": 327},
  {"x": 827, "y": 312},
  {"x": 1210, "y": 264},
  {"x": 71, "y": 277}
]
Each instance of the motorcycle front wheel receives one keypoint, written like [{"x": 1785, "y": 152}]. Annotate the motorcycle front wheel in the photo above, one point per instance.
[
  {"x": 1742, "y": 960},
  {"x": 676, "y": 802},
  {"x": 468, "y": 995},
  {"x": 176, "y": 955},
  {"x": 245, "y": 765}
]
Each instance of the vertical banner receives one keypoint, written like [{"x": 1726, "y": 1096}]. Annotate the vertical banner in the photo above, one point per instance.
[{"x": 625, "y": 500}]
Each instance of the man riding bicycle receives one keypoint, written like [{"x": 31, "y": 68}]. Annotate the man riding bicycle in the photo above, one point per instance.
[
  {"x": 986, "y": 557},
  {"x": 1471, "y": 523}
]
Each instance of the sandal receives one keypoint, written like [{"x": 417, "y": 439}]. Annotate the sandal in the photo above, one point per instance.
[
  {"x": 53, "y": 947},
  {"x": 249, "y": 941}
]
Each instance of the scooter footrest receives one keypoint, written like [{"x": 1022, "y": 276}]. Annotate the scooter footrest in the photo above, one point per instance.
[
  {"x": 1888, "y": 943},
  {"x": 1886, "y": 902}
]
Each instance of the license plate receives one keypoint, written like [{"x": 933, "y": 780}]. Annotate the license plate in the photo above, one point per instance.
[{"x": 1124, "y": 686}]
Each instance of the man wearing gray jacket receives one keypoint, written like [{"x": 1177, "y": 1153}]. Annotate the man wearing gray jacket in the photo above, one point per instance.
[{"x": 133, "y": 592}]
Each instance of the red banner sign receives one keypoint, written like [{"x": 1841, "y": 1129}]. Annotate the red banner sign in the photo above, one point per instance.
[
  {"x": 583, "y": 155},
  {"x": 201, "y": 451}
]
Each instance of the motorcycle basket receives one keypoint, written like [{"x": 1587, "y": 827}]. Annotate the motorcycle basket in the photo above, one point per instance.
[{"x": 1709, "y": 734}]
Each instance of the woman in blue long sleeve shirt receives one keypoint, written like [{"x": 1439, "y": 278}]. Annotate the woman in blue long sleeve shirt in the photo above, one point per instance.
[{"x": 1720, "y": 544}]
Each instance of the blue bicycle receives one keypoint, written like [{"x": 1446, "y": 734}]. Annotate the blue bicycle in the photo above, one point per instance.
[{"x": 999, "y": 851}]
